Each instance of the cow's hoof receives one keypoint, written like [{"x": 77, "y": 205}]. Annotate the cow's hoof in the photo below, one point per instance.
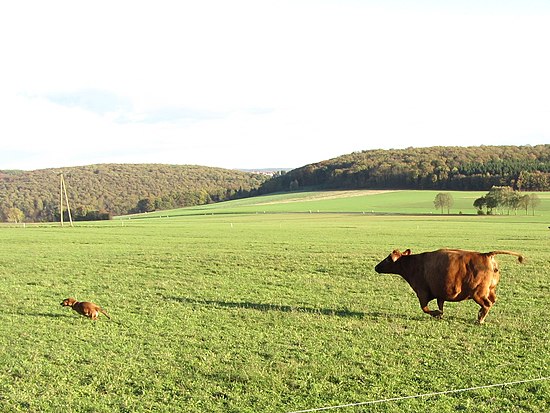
[{"x": 436, "y": 314}]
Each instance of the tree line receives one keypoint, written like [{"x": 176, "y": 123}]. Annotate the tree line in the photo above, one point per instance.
[
  {"x": 498, "y": 200},
  {"x": 504, "y": 199},
  {"x": 101, "y": 191},
  {"x": 476, "y": 168}
]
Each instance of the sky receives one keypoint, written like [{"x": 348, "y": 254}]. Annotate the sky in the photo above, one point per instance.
[{"x": 266, "y": 84}]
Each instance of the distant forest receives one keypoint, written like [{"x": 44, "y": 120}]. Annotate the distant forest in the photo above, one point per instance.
[
  {"x": 479, "y": 168},
  {"x": 100, "y": 191}
]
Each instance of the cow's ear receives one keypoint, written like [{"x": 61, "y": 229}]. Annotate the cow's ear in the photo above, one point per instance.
[
  {"x": 407, "y": 252},
  {"x": 395, "y": 255}
]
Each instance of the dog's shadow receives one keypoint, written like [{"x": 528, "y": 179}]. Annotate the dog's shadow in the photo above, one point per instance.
[{"x": 47, "y": 315}]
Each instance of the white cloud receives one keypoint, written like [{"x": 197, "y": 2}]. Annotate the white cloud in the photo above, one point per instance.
[{"x": 266, "y": 83}]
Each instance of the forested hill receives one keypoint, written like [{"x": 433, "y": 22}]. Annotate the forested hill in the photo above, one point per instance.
[
  {"x": 99, "y": 191},
  {"x": 451, "y": 168},
  {"x": 113, "y": 189}
]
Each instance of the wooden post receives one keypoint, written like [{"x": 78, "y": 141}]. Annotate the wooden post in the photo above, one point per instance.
[
  {"x": 63, "y": 190},
  {"x": 67, "y": 200},
  {"x": 61, "y": 198}
]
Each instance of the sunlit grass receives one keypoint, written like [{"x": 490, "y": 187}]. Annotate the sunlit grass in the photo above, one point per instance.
[
  {"x": 351, "y": 201},
  {"x": 264, "y": 312}
]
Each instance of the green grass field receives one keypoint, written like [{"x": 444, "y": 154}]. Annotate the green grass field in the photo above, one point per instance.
[
  {"x": 352, "y": 201},
  {"x": 226, "y": 308}
]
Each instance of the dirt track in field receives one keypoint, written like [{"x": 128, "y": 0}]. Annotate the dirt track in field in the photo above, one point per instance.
[{"x": 328, "y": 195}]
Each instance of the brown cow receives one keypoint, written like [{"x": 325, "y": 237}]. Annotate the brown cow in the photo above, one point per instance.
[{"x": 448, "y": 275}]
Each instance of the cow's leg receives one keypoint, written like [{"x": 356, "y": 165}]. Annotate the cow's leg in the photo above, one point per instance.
[
  {"x": 493, "y": 295},
  {"x": 424, "y": 300},
  {"x": 440, "y": 303},
  {"x": 485, "y": 303}
]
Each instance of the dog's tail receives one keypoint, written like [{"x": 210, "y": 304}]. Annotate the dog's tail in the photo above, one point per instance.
[{"x": 104, "y": 313}]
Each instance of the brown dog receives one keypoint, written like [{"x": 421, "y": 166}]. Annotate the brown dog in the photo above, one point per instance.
[{"x": 85, "y": 308}]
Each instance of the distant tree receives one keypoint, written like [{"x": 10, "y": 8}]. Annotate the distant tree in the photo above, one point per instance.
[
  {"x": 505, "y": 197},
  {"x": 443, "y": 200},
  {"x": 80, "y": 211},
  {"x": 498, "y": 196},
  {"x": 145, "y": 205},
  {"x": 513, "y": 201},
  {"x": 524, "y": 202},
  {"x": 479, "y": 204},
  {"x": 534, "y": 201},
  {"x": 294, "y": 185},
  {"x": 535, "y": 180},
  {"x": 97, "y": 216},
  {"x": 491, "y": 202},
  {"x": 83, "y": 214},
  {"x": 15, "y": 215}
]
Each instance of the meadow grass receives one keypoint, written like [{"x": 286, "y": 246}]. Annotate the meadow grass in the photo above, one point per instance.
[
  {"x": 265, "y": 312},
  {"x": 351, "y": 201}
]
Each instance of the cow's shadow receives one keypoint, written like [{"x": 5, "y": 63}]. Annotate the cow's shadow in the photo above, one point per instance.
[{"x": 266, "y": 307}]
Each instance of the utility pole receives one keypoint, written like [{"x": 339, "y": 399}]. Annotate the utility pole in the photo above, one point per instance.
[{"x": 63, "y": 191}]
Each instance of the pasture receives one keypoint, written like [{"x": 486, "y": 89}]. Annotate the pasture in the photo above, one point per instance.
[
  {"x": 355, "y": 201},
  {"x": 230, "y": 308}
]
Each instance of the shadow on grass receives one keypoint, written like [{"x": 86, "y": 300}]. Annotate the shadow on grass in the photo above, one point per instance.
[
  {"x": 388, "y": 315},
  {"x": 48, "y": 315},
  {"x": 74, "y": 316},
  {"x": 287, "y": 308}
]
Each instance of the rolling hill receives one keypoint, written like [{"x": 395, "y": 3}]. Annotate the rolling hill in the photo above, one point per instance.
[
  {"x": 100, "y": 191},
  {"x": 475, "y": 168},
  {"x": 115, "y": 189}
]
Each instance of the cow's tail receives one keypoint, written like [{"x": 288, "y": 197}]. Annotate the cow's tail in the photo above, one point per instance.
[{"x": 520, "y": 257}]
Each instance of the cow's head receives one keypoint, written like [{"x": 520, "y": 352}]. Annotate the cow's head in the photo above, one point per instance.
[{"x": 388, "y": 265}]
